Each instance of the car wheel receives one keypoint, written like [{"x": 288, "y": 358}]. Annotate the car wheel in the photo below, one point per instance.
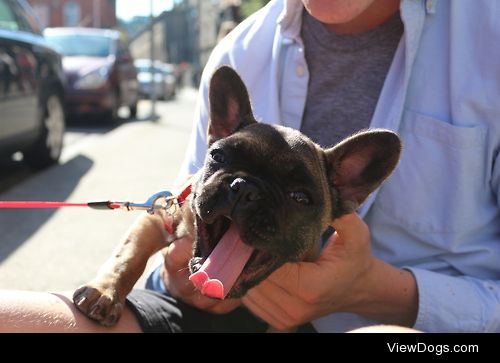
[
  {"x": 112, "y": 114},
  {"x": 47, "y": 150}
]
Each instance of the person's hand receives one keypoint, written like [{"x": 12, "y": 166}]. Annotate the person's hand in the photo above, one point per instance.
[
  {"x": 176, "y": 279},
  {"x": 300, "y": 292}
]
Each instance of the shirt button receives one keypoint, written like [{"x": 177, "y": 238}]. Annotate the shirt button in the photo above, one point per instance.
[
  {"x": 429, "y": 5},
  {"x": 300, "y": 71}
]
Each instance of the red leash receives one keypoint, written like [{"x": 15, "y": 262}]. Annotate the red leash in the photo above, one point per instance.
[
  {"x": 36, "y": 204},
  {"x": 14, "y": 204},
  {"x": 149, "y": 205}
]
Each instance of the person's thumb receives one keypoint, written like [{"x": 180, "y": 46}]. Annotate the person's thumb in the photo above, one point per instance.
[
  {"x": 350, "y": 229},
  {"x": 179, "y": 253},
  {"x": 348, "y": 224}
]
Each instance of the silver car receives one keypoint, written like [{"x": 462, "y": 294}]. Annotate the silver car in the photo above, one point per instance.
[{"x": 164, "y": 82}]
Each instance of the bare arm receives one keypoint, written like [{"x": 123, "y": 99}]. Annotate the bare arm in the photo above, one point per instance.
[{"x": 40, "y": 312}]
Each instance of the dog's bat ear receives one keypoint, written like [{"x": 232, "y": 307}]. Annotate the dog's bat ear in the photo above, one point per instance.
[
  {"x": 229, "y": 104},
  {"x": 358, "y": 165}
]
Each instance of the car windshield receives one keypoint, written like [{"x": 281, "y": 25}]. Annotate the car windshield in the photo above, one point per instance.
[
  {"x": 81, "y": 44},
  {"x": 147, "y": 69}
]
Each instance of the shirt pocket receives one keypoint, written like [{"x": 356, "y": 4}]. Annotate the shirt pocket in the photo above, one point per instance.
[{"x": 439, "y": 184}]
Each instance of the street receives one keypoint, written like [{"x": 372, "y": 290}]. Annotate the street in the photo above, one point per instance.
[{"x": 59, "y": 249}]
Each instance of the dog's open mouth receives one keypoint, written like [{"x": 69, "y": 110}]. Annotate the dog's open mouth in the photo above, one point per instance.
[{"x": 227, "y": 262}]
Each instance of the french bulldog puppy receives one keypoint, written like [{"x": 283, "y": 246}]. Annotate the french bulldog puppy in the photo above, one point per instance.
[{"x": 264, "y": 197}]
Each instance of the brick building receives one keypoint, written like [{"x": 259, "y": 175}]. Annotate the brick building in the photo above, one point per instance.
[{"x": 87, "y": 13}]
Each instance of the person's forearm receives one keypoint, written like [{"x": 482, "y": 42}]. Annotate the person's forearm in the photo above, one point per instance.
[{"x": 386, "y": 294}]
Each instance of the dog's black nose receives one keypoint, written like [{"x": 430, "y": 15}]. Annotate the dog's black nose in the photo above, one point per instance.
[{"x": 245, "y": 189}]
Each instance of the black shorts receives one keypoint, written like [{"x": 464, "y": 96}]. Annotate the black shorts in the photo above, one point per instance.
[{"x": 158, "y": 312}]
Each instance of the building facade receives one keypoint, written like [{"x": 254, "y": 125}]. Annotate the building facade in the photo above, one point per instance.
[
  {"x": 185, "y": 34},
  {"x": 86, "y": 13}
]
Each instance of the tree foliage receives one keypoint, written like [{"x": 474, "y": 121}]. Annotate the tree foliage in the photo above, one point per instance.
[{"x": 249, "y": 7}]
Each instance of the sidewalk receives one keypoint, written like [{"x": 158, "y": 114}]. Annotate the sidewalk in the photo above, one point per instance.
[{"x": 61, "y": 249}]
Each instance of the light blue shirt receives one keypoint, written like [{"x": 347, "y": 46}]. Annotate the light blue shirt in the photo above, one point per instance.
[{"x": 438, "y": 215}]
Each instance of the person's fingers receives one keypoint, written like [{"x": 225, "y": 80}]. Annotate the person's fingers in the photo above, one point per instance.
[
  {"x": 199, "y": 301},
  {"x": 223, "y": 307},
  {"x": 348, "y": 223},
  {"x": 258, "y": 305},
  {"x": 353, "y": 234},
  {"x": 300, "y": 280},
  {"x": 181, "y": 288},
  {"x": 177, "y": 283},
  {"x": 286, "y": 276},
  {"x": 178, "y": 254},
  {"x": 270, "y": 297},
  {"x": 176, "y": 272},
  {"x": 194, "y": 298},
  {"x": 330, "y": 251}
]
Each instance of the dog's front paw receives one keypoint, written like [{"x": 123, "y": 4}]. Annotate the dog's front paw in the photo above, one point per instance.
[{"x": 99, "y": 303}]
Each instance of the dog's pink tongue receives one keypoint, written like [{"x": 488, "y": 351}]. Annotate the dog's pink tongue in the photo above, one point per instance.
[{"x": 221, "y": 269}]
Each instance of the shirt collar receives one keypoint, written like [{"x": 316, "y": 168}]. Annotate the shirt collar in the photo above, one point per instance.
[{"x": 290, "y": 19}]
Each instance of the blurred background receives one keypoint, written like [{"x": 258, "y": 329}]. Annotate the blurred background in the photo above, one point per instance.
[{"x": 96, "y": 103}]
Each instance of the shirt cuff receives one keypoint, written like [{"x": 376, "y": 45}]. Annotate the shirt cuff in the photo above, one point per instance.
[{"x": 451, "y": 304}]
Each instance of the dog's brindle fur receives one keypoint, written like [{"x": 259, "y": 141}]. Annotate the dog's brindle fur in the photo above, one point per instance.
[{"x": 278, "y": 187}]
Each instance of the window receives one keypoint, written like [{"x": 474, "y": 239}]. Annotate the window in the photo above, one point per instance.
[
  {"x": 42, "y": 12},
  {"x": 71, "y": 14},
  {"x": 7, "y": 18},
  {"x": 73, "y": 44}
]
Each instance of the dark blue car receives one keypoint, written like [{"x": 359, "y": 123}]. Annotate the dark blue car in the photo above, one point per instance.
[{"x": 32, "y": 117}]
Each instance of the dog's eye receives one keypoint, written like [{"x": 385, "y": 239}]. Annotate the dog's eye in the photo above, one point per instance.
[
  {"x": 218, "y": 156},
  {"x": 299, "y": 197}
]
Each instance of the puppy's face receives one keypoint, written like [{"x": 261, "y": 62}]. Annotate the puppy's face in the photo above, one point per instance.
[{"x": 272, "y": 185}]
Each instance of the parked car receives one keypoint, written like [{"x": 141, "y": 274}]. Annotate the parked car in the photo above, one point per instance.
[
  {"x": 31, "y": 88},
  {"x": 170, "y": 79},
  {"x": 165, "y": 82},
  {"x": 100, "y": 71}
]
